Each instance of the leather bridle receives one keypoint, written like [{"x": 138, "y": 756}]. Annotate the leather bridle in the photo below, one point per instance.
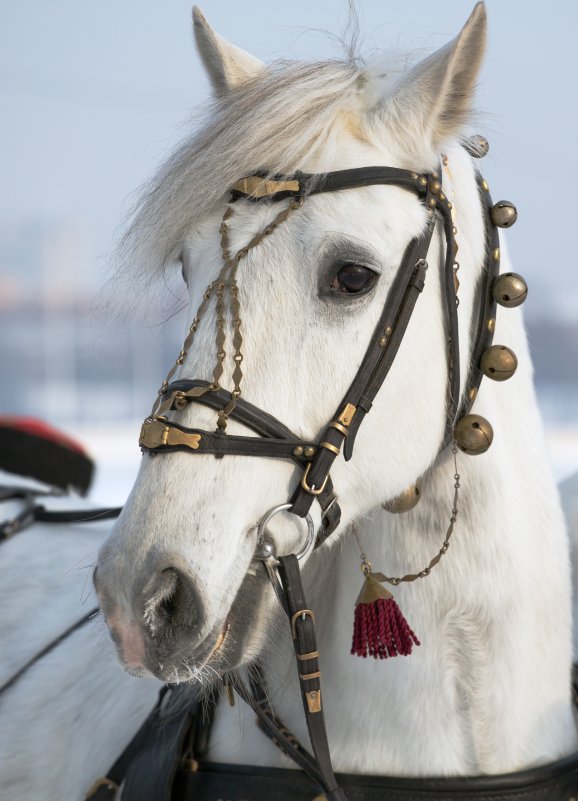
[
  {"x": 315, "y": 458},
  {"x": 160, "y": 434}
]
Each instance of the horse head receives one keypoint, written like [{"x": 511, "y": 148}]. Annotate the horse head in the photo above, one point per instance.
[{"x": 288, "y": 327}]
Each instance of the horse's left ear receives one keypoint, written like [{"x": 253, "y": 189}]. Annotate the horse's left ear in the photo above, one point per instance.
[
  {"x": 227, "y": 65},
  {"x": 433, "y": 100}
]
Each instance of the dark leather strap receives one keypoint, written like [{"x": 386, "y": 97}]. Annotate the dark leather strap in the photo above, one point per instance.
[
  {"x": 314, "y": 184},
  {"x": 34, "y": 512},
  {"x": 50, "y": 647},
  {"x": 154, "y": 764},
  {"x": 557, "y": 781},
  {"x": 486, "y": 303},
  {"x": 220, "y": 444},
  {"x": 302, "y": 622},
  {"x": 43, "y": 515},
  {"x": 105, "y": 789},
  {"x": 278, "y": 440},
  {"x": 379, "y": 357}
]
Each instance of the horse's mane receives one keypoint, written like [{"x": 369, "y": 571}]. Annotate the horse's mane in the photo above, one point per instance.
[{"x": 273, "y": 123}]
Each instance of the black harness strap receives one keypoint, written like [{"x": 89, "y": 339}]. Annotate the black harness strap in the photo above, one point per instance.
[
  {"x": 276, "y": 440},
  {"x": 36, "y": 513},
  {"x": 378, "y": 359},
  {"x": 315, "y": 184},
  {"x": 302, "y": 621},
  {"x": 50, "y": 647}
]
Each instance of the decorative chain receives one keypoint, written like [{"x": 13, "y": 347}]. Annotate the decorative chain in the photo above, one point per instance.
[
  {"x": 226, "y": 282},
  {"x": 395, "y": 580}
]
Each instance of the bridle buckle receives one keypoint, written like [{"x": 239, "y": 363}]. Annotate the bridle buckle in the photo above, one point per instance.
[{"x": 312, "y": 489}]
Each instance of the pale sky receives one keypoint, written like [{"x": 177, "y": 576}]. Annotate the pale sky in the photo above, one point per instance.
[{"x": 93, "y": 95}]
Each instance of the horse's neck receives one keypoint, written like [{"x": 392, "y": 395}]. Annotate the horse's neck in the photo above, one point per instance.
[{"x": 488, "y": 690}]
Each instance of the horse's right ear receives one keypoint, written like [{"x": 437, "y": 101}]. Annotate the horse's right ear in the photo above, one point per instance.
[
  {"x": 432, "y": 101},
  {"x": 227, "y": 65}
]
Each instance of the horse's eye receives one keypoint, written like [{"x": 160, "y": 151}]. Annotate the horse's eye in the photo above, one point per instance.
[{"x": 352, "y": 279}]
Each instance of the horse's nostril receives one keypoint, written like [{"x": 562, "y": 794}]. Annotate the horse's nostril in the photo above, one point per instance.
[{"x": 171, "y": 602}]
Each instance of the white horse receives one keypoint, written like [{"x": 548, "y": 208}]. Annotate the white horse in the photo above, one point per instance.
[
  {"x": 69, "y": 715},
  {"x": 488, "y": 690}
]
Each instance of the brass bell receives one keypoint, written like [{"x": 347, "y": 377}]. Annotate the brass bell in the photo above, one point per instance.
[
  {"x": 510, "y": 290},
  {"x": 504, "y": 214},
  {"x": 404, "y": 502},
  {"x": 498, "y": 362},
  {"x": 473, "y": 434},
  {"x": 477, "y": 146}
]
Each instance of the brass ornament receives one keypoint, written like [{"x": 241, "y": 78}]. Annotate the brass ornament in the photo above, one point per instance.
[
  {"x": 504, "y": 214},
  {"x": 372, "y": 590},
  {"x": 473, "y": 434},
  {"x": 498, "y": 363},
  {"x": 510, "y": 290},
  {"x": 407, "y": 500},
  {"x": 477, "y": 146}
]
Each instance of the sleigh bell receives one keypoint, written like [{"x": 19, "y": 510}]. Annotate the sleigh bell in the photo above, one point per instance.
[
  {"x": 510, "y": 290},
  {"x": 403, "y": 502},
  {"x": 498, "y": 363},
  {"x": 477, "y": 146},
  {"x": 504, "y": 214},
  {"x": 473, "y": 434}
]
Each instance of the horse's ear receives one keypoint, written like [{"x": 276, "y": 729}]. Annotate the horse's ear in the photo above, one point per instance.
[
  {"x": 227, "y": 65},
  {"x": 434, "y": 98}
]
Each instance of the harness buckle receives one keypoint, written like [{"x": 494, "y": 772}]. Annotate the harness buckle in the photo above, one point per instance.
[{"x": 312, "y": 490}]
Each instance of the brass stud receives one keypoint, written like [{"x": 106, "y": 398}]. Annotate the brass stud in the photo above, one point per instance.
[
  {"x": 477, "y": 146},
  {"x": 491, "y": 325},
  {"x": 309, "y": 451},
  {"x": 442, "y": 196},
  {"x": 423, "y": 180},
  {"x": 405, "y": 501},
  {"x": 472, "y": 394},
  {"x": 388, "y": 331},
  {"x": 496, "y": 254},
  {"x": 450, "y": 205},
  {"x": 504, "y": 214},
  {"x": 435, "y": 187},
  {"x": 298, "y": 451},
  {"x": 414, "y": 176},
  {"x": 510, "y": 290},
  {"x": 485, "y": 185},
  {"x": 498, "y": 362},
  {"x": 473, "y": 434},
  {"x": 432, "y": 202},
  {"x": 383, "y": 342}
]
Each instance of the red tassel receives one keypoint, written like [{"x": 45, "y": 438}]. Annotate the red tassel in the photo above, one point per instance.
[{"x": 380, "y": 630}]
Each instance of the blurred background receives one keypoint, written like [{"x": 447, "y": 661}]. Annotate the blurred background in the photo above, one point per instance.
[{"x": 94, "y": 95}]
